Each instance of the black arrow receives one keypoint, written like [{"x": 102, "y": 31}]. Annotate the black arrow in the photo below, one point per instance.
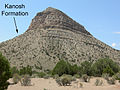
[{"x": 15, "y": 24}]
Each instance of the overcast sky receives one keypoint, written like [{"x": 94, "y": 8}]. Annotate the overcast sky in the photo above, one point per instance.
[{"x": 100, "y": 17}]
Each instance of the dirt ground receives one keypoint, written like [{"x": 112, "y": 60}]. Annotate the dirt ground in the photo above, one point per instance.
[{"x": 50, "y": 84}]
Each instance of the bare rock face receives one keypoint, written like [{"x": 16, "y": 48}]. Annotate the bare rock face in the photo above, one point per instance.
[
  {"x": 53, "y": 36},
  {"x": 53, "y": 18}
]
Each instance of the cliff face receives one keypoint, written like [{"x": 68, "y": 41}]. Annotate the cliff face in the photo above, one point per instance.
[
  {"x": 53, "y": 18},
  {"x": 53, "y": 36}
]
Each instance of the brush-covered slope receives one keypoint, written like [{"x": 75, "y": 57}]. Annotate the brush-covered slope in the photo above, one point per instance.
[{"x": 53, "y": 36}]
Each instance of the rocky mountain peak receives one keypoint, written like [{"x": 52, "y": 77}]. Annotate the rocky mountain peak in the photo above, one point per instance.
[
  {"x": 54, "y": 18},
  {"x": 51, "y": 37},
  {"x": 49, "y": 9}
]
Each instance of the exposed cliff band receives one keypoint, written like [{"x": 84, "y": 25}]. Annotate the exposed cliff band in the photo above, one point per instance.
[{"x": 53, "y": 18}]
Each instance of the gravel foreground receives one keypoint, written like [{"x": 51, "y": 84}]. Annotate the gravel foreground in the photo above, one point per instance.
[{"x": 50, "y": 84}]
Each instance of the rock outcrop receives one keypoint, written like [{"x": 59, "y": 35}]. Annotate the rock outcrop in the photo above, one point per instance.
[
  {"x": 53, "y": 18},
  {"x": 53, "y": 36}
]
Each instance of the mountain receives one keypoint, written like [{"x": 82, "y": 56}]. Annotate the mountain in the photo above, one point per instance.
[{"x": 53, "y": 36}]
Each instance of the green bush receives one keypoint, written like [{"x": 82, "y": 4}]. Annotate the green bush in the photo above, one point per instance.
[
  {"x": 74, "y": 69},
  {"x": 98, "y": 68},
  {"x": 117, "y": 76},
  {"x": 14, "y": 70},
  {"x": 5, "y": 73},
  {"x": 62, "y": 67},
  {"x": 86, "y": 68},
  {"x": 41, "y": 74},
  {"x": 26, "y": 70},
  {"x": 108, "y": 70},
  {"x": 105, "y": 65}
]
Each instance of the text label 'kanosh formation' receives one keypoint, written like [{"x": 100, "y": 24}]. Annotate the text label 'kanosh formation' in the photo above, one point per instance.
[{"x": 15, "y": 12}]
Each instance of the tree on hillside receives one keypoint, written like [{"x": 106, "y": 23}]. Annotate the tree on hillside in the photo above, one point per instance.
[
  {"x": 86, "y": 68},
  {"x": 105, "y": 65},
  {"x": 62, "y": 67},
  {"x": 4, "y": 72}
]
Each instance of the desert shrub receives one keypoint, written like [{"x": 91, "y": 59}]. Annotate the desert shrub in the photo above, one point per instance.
[
  {"x": 105, "y": 65},
  {"x": 41, "y": 74},
  {"x": 105, "y": 76},
  {"x": 5, "y": 73},
  {"x": 111, "y": 80},
  {"x": 77, "y": 76},
  {"x": 47, "y": 76},
  {"x": 108, "y": 70},
  {"x": 55, "y": 76},
  {"x": 80, "y": 71},
  {"x": 98, "y": 82},
  {"x": 86, "y": 68},
  {"x": 14, "y": 70},
  {"x": 16, "y": 78},
  {"x": 58, "y": 81},
  {"x": 64, "y": 80},
  {"x": 73, "y": 78},
  {"x": 74, "y": 69},
  {"x": 25, "y": 80},
  {"x": 26, "y": 70},
  {"x": 49, "y": 72},
  {"x": 45, "y": 89},
  {"x": 70, "y": 77},
  {"x": 117, "y": 76},
  {"x": 85, "y": 78},
  {"x": 81, "y": 85},
  {"x": 62, "y": 67}
]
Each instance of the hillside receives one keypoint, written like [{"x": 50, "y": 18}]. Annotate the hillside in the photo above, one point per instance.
[{"x": 53, "y": 36}]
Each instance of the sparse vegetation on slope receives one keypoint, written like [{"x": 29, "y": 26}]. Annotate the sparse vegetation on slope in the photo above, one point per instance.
[
  {"x": 51, "y": 38},
  {"x": 26, "y": 70}
]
